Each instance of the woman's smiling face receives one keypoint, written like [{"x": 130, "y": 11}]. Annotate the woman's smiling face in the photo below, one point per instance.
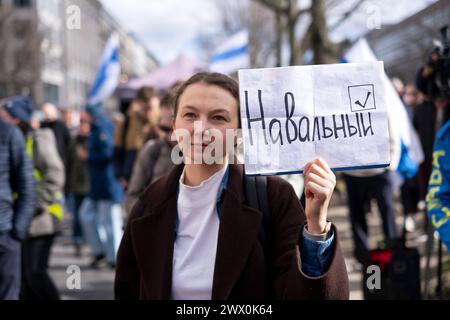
[{"x": 212, "y": 109}]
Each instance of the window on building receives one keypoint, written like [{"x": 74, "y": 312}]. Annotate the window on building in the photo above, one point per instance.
[
  {"x": 51, "y": 93},
  {"x": 22, "y": 3},
  {"x": 3, "y": 92}
]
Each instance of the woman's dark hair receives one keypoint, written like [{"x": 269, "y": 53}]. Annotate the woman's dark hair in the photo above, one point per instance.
[
  {"x": 211, "y": 78},
  {"x": 168, "y": 100}
]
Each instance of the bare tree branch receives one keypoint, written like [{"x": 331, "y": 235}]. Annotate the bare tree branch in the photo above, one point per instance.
[
  {"x": 273, "y": 5},
  {"x": 347, "y": 14},
  {"x": 287, "y": 15},
  {"x": 278, "y": 8},
  {"x": 303, "y": 45},
  {"x": 331, "y": 4},
  {"x": 300, "y": 12}
]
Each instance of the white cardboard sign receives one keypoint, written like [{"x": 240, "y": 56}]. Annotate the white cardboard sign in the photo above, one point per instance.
[{"x": 291, "y": 115}]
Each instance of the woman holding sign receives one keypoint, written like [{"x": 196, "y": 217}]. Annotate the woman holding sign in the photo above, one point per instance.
[{"x": 194, "y": 235}]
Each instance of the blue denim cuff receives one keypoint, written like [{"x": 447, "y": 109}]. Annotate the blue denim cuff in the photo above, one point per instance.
[{"x": 316, "y": 255}]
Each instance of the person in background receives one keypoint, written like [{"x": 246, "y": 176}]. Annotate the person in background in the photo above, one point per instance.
[
  {"x": 61, "y": 132},
  {"x": 77, "y": 186},
  {"x": 139, "y": 126},
  {"x": 377, "y": 183},
  {"x": 410, "y": 190},
  {"x": 71, "y": 119},
  {"x": 154, "y": 160},
  {"x": 398, "y": 86},
  {"x": 101, "y": 211},
  {"x": 410, "y": 100},
  {"x": 17, "y": 200},
  {"x": 438, "y": 197},
  {"x": 48, "y": 212},
  {"x": 429, "y": 116}
]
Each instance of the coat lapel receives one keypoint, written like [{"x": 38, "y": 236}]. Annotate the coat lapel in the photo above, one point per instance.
[
  {"x": 238, "y": 230},
  {"x": 154, "y": 235}
]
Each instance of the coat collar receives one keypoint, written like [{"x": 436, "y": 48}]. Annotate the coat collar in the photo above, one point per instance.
[{"x": 154, "y": 235}]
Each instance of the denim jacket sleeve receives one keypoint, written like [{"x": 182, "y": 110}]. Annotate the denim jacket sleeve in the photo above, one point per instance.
[{"x": 316, "y": 254}]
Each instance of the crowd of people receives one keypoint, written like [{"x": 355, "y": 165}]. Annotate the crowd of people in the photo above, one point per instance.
[
  {"x": 95, "y": 165},
  {"x": 55, "y": 161}
]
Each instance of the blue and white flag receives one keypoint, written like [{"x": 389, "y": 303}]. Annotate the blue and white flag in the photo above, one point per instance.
[
  {"x": 232, "y": 55},
  {"x": 108, "y": 76}
]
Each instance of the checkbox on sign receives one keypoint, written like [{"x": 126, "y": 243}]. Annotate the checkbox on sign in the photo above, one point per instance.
[{"x": 362, "y": 97}]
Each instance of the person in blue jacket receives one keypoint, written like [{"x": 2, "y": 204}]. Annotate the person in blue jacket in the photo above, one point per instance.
[
  {"x": 17, "y": 201},
  {"x": 101, "y": 211},
  {"x": 438, "y": 198}
]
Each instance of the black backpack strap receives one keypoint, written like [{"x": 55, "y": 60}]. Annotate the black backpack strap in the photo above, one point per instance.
[
  {"x": 257, "y": 198},
  {"x": 256, "y": 195},
  {"x": 261, "y": 189}
]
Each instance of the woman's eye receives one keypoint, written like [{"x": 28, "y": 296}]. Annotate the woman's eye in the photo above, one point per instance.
[
  {"x": 219, "y": 118},
  {"x": 189, "y": 115}
]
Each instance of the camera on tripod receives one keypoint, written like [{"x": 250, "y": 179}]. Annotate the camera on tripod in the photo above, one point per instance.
[{"x": 441, "y": 64}]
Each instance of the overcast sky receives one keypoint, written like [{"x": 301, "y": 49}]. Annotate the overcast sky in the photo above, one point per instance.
[
  {"x": 168, "y": 28},
  {"x": 171, "y": 27}
]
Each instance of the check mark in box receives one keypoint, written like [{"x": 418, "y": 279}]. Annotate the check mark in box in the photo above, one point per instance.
[{"x": 362, "y": 97}]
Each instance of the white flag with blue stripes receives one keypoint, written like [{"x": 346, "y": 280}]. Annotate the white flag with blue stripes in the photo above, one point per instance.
[
  {"x": 232, "y": 55},
  {"x": 108, "y": 76}
]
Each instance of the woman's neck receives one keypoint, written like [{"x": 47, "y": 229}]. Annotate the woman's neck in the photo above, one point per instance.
[{"x": 195, "y": 174}]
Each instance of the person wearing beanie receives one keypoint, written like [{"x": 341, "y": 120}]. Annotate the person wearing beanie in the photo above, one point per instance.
[
  {"x": 17, "y": 200},
  {"x": 48, "y": 212}
]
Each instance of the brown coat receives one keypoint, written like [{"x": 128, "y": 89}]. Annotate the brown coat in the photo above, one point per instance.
[{"x": 144, "y": 262}]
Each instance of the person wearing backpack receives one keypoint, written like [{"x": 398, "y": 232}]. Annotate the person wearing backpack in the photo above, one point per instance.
[
  {"x": 197, "y": 234},
  {"x": 153, "y": 160}
]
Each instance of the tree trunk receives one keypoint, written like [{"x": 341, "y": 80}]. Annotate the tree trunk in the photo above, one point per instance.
[
  {"x": 279, "y": 38},
  {"x": 325, "y": 51},
  {"x": 291, "y": 22}
]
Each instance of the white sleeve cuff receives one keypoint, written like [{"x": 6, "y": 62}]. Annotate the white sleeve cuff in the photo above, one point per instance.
[{"x": 318, "y": 237}]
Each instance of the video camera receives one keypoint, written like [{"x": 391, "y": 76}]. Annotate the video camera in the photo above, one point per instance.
[{"x": 441, "y": 65}]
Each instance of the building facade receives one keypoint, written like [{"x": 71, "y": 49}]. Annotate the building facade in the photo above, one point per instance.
[
  {"x": 19, "y": 48},
  {"x": 406, "y": 46},
  {"x": 51, "y": 49}
]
